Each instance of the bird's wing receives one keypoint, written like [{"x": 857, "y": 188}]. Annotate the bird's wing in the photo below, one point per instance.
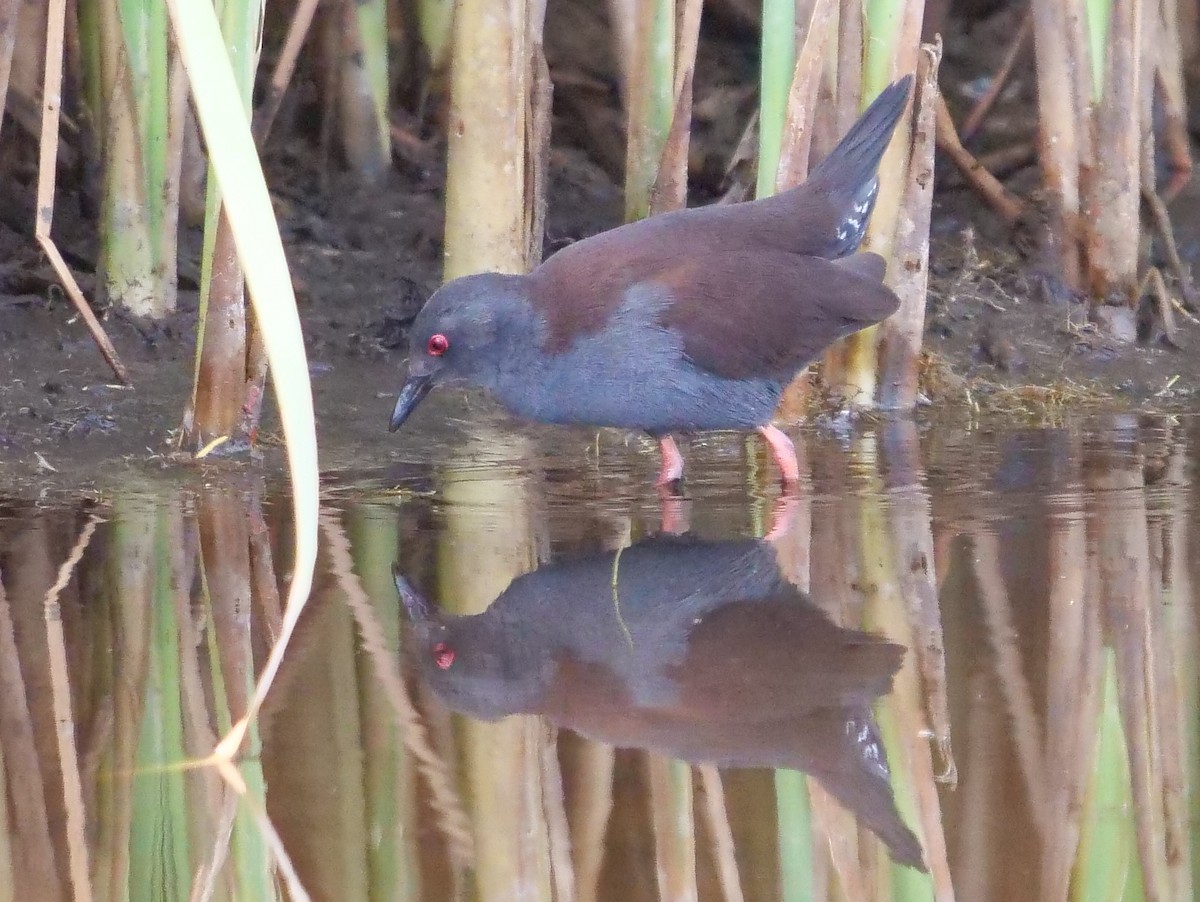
[{"x": 765, "y": 314}]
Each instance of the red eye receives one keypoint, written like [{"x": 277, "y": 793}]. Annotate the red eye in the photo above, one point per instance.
[
  {"x": 443, "y": 655},
  {"x": 438, "y": 345}
]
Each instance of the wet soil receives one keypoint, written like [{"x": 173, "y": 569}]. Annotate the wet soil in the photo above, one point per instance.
[{"x": 1000, "y": 335}]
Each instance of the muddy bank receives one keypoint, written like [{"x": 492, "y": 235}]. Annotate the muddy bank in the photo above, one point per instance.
[{"x": 1000, "y": 338}]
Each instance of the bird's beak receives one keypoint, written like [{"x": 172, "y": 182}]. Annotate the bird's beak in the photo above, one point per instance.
[{"x": 415, "y": 388}]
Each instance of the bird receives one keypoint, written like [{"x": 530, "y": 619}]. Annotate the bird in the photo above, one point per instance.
[
  {"x": 697, "y": 649},
  {"x": 687, "y": 321}
]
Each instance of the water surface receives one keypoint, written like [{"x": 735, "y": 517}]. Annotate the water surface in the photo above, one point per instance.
[{"x": 958, "y": 664}]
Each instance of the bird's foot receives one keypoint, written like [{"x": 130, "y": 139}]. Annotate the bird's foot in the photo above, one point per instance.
[
  {"x": 783, "y": 516},
  {"x": 672, "y": 462},
  {"x": 675, "y": 520},
  {"x": 784, "y": 452}
]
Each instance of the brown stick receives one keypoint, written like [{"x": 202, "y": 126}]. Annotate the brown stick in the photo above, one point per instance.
[
  {"x": 285, "y": 66},
  {"x": 1162, "y": 225},
  {"x": 984, "y": 105},
  {"x": 1006, "y": 206},
  {"x": 47, "y": 162},
  {"x": 1153, "y": 283}
]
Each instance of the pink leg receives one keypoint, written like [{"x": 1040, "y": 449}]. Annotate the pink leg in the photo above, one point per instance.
[
  {"x": 784, "y": 451},
  {"x": 672, "y": 461},
  {"x": 783, "y": 516},
  {"x": 674, "y": 513}
]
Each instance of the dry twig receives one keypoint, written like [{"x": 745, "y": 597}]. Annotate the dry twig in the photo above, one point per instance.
[
  {"x": 47, "y": 163},
  {"x": 984, "y": 105},
  {"x": 1007, "y": 207}
]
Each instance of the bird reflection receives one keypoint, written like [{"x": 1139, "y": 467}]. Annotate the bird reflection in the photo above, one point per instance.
[{"x": 699, "y": 650}]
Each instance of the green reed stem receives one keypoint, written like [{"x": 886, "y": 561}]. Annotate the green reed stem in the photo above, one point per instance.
[
  {"x": 651, "y": 103},
  {"x": 1097, "y": 21},
  {"x": 392, "y": 860},
  {"x": 775, "y": 81},
  {"x": 794, "y": 814},
  {"x": 1107, "y": 844},
  {"x": 159, "y": 850}
]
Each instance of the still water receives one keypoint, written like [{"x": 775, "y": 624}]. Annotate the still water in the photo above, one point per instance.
[{"x": 957, "y": 664}]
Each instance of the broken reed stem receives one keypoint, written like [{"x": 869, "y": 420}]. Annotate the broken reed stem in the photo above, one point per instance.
[
  {"x": 892, "y": 44},
  {"x": 911, "y": 531},
  {"x": 590, "y": 805},
  {"x": 902, "y": 333},
  {"x": 848, "y": 84},
  {"x": 1122, "y": 538},
  {"x": 47, "y": 170}
]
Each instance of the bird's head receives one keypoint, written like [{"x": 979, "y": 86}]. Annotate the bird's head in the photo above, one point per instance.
[{"x": 464, "y": 332}]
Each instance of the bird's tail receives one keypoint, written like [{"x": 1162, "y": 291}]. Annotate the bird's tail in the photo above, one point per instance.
[{"x": 847, "y": 177}]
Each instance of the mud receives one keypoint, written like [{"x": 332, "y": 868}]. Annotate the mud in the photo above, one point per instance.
[{"x": 364, "y": 260}]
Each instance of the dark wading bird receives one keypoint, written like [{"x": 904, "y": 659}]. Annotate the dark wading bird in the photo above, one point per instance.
[
  {"x": 699, "y": 650},
  {"x": 688, "y": 321}
]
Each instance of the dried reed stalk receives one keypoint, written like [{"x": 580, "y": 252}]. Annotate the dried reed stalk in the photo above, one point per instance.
[
  {"x": 671, "y": 815},
  {"x": 669, "y": 191},
  {"x": 31, "y": 844},
  {"x": 902, "y": 333},
  {"x": 60, "y": 689},
  {"x": 47, "y": 170},
  {"x": 1059, "y": 126},
  {"x": 589, "y": 807},
  {"x": 722, "y": 835},
  {"x": 1115, "y": 475},
  {"x": 492, "y": 71},
  {"x": 438, "y": 775},
  {"x": 1111, "y": 196}
]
